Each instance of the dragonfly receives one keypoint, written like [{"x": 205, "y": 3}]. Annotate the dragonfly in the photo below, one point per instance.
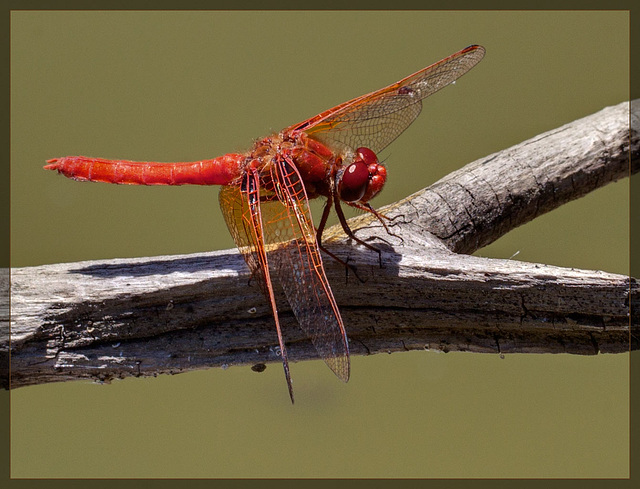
[{"x": 265, "y": 194}]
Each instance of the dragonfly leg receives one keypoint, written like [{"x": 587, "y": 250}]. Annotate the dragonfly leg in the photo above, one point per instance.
[
  {"x": 350, "y": 233},
  {"x": 381, "y": 217},
  {"x": 320, "y": 230}
]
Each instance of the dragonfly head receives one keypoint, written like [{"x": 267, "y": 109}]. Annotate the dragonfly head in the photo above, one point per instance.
[{"x": 361, "y": 179}]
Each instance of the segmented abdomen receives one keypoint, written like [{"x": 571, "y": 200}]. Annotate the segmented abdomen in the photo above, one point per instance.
[{"x": 218, "y": 171}]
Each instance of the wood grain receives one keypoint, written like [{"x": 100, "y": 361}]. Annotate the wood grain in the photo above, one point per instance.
[{"x": 170, "y": 314}]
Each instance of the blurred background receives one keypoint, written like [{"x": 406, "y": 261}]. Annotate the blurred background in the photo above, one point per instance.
[{"x": 179, "y": 86}]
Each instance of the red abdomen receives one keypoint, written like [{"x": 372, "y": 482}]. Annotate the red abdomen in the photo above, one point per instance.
[{"x": 218, "y": 171}]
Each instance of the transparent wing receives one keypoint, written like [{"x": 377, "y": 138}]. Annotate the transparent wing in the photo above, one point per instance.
[
  {"x": 294, "y": 255},
  {"x": 376, "y": 119},
  {"x": 276, "y": 236},
  {"x": 237, "y": 215},
  {"x": 242, "y": 213}
]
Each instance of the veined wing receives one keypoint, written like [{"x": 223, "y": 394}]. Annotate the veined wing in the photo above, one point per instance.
[
  {"x": 242, "y": 213},
  {"x": 293, "y": 252},
  {"x": 376, "y": 119}
]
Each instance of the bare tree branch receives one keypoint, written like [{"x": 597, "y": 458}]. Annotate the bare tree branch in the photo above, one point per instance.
[
  {"x": 117, "y": 318},
  {"x": 472, "y": 207}
]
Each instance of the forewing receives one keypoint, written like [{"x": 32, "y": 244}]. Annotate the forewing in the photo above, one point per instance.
[
  {"x": 376, "y": 119},
  {"x": 242, "y": 212},
  {"x": 293, "y": 252}
]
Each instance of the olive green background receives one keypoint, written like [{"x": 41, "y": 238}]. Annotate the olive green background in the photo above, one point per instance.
[{"x": 173, "y": 86}]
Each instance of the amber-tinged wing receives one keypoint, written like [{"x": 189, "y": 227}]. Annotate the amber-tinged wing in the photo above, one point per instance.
[
  {"x": 278, "y": 231},
  {"x": 376, "y": 119},
  {"x": 294, "y": 255},
  {"x": 242, "y": 213}
]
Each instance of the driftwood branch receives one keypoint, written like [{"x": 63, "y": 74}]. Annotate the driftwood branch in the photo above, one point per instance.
[{"x": 118, "y": 318}]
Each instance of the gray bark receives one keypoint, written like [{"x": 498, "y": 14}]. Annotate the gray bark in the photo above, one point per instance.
[{"x": 118, "y": 318}]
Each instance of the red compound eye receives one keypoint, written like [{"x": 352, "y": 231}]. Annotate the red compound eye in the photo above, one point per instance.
[
  {"x": 353, "y": 184},
  {"x": 366, "y": 155},
  {"x": 355, "y": 181}
]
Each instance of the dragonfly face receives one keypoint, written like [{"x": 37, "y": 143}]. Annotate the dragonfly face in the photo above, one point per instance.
[{"x": 361, "y": 180}]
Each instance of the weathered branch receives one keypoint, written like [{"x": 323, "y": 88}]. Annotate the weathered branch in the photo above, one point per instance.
[
  {"x": 477, "y": 204},
  {"x": 106, "y": 319}
]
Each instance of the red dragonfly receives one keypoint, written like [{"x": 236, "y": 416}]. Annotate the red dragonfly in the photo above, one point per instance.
[{"x": 266, "y": 191}]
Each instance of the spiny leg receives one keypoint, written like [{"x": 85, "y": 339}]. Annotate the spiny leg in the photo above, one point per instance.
[
  {"x": 348, "y": 232},
  {"x": 320, "y": 230},
  {"x": 379, "y": 216}
]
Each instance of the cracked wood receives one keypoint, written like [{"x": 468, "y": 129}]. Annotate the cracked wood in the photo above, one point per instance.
[{"x": 118, "y": 318}]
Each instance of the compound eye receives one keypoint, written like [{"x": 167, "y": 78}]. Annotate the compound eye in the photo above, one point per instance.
[
  {"x": 355, "y": 179},
  {"x": 366, "y": 155}
]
